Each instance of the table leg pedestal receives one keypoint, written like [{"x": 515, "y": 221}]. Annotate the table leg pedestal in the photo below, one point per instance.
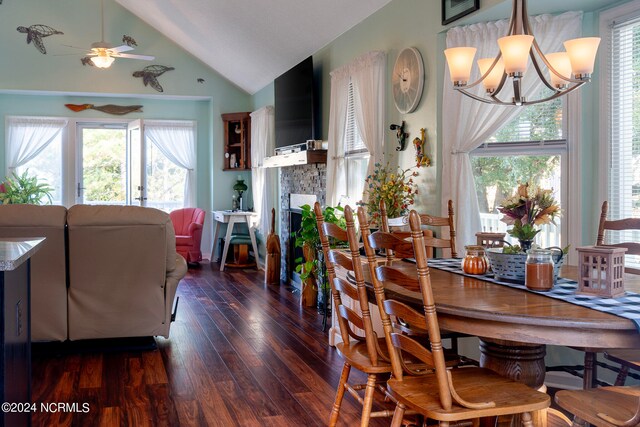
[{"x": 520, "y": 362}]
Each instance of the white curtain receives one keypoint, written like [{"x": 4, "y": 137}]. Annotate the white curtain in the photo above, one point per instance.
[
  {"x": 368, "y": 79},
  {"x": 262, "y": 179},
  {"x": 177, "y": 141},
  {"x": 468, "y": 123},
  {"x": 367, "y": 74},
  {"x": 28, "y": 136}
]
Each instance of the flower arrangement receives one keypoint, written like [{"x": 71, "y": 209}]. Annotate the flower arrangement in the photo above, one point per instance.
[
  {"x": 395, "y": 186},
  {"x": 529, "y": 207}
]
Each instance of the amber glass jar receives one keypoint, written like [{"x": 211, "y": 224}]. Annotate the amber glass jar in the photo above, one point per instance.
[
  {"x": 475, "y": 260},
  {"x": 539, "y": 270}
]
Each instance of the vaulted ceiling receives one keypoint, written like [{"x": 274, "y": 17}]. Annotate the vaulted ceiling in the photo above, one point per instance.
[{"x": 251, "y": 42}]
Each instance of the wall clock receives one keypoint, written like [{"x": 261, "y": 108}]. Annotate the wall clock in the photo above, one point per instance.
[{"x": 407, "y": 80}]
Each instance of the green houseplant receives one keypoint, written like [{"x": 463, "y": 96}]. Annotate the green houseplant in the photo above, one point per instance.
[
  {"x": 25, "y": 189},
  {"x": 311, "y": 266}
]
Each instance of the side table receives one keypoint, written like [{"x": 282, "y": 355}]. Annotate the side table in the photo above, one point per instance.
[{"x": 231, "y": 218}]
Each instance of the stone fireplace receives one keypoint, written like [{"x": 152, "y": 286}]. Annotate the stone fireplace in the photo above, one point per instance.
[{"x": 299, "y": 185}]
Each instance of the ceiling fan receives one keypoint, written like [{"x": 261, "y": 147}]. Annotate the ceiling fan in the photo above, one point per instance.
[{"x": 102, "y": 54}]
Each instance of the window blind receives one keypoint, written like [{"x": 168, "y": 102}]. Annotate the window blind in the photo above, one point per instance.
[
  {"x": 624, "y": 133},
  {"x": 624, "y": 110},
  {"x": 353, "y": 140},
  {"x": 538, "y": 122}
]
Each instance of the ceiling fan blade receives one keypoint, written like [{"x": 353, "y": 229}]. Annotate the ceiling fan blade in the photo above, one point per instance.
[
  {"x": 132, "y": 56},
  {"x": 123, "y": 48}
]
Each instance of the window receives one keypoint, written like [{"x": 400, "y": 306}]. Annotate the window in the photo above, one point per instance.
[
  {"x": 620, "y": 28},
  {"x": 356, "y": 155},
  {"x": 117, "y": 162},
  {"x": 530, "y": 148}
]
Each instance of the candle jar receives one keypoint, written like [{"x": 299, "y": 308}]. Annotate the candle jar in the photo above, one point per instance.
[
  {"x": 475, "y": 260},
  {"x": 539, "y": 270}
]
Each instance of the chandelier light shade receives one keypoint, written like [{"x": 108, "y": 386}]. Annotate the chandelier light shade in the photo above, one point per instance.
[
  {"x": 561, "y": 62},
  {"x": 492, "y": 81},
  {"x": 566, "y": 70},
  {"x": 460, "y": 60},
  {"x": 582, "y": 54},
  {"x": 103, "y": 60}
]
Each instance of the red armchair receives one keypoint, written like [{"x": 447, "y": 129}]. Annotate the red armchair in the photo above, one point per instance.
[{"x": 188, "y": 224}]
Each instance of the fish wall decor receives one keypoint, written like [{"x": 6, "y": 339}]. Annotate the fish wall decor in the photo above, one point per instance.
[
  {"x": 118, "y": 110},
  {"x": 150, "y": 75},
  {"x": 35, "y": 33}
]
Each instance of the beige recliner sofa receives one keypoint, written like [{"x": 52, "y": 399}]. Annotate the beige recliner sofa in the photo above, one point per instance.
[
  {"x": 48, "y": 265},
  {"x": 119, "y": 276}
]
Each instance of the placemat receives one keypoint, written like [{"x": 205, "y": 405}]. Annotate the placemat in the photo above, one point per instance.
[{"x": 627, "y": 306}]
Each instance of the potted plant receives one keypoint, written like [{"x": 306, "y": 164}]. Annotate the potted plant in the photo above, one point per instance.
[
  {"x": 525, "y": 211},
  {"x": 393, "y": 185},
  {"x": 529, "y": 208},
  {"x": 311, "y": 266},
  {"x": 24, "y": 189}
]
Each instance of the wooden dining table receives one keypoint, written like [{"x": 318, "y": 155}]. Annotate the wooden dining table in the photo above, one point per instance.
[{"x": 514, "y": 325}]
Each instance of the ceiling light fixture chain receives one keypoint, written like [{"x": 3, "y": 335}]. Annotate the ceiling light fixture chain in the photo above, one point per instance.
[{"x": 567, "y": 70}]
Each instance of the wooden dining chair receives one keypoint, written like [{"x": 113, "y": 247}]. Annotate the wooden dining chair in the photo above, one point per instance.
[
  {"x": 602, "y": 407},
  {"x": 445, "y": 395},
  {"x": 400, "y": 247},
  {"x": 364, "y": 350},
  {"x": 628, "y": 359},
  {"x": 432, "y": 243}
]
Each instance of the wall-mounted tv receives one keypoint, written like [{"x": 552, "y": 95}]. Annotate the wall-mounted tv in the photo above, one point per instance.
[{"x": 296, "y": 105}]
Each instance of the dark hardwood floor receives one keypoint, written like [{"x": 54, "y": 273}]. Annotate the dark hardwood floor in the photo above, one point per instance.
[{"x": 240, "y": 354}]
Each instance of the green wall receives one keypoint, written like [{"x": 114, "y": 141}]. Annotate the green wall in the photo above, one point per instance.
[{"x": 35, "y": 84}]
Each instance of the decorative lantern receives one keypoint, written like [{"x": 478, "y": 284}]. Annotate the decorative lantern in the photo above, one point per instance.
[{"x": 601, "y": 271}]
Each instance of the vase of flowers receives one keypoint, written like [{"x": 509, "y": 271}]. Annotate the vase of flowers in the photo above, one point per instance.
[
  {"x": 393, "y": 185},
  {"x": 526, "y": 210}
]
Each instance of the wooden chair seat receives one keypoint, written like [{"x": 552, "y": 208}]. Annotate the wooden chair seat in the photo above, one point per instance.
[
  {"x": 621, "y": 403},
  {"x": 356, "y": 354},
  {"x": 472, "y": 384}
]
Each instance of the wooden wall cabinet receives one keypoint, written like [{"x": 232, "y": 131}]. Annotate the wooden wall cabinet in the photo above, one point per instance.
[{"x": 237, "y": 141}]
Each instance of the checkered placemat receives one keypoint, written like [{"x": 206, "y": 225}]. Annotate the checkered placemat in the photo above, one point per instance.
[{"x": 627, "y": 306}]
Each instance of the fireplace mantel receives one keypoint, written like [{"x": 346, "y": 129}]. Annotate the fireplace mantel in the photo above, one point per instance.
[{"x": 294, "y": 159}]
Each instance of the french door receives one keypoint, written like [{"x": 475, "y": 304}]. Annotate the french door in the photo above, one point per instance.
[{"x": 111, "y": 164}]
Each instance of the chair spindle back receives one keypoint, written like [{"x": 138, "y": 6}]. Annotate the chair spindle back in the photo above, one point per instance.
[{"x": 347, "y": 317}]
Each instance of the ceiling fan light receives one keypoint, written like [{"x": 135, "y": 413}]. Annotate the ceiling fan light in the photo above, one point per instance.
[
  {"x": 103, "y": 60},
  {"x": 460, "y": 61},
  {"x": 492, "y": 81},
  {"x": 515, "y": 51},
  {"x": 562, "y": 64},
  {"x": 582, "y": 53}
]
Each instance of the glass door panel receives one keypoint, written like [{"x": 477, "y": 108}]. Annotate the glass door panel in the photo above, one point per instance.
[
  {"x": 136, "y": 192},
  {"x": 103, "y": 166}
]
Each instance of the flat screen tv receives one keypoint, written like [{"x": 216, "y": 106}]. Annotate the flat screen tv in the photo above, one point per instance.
[{"x": 296, "y": 106}]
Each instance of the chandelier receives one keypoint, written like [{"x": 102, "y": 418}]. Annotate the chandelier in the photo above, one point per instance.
[{"x": 567, "y": 71}]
